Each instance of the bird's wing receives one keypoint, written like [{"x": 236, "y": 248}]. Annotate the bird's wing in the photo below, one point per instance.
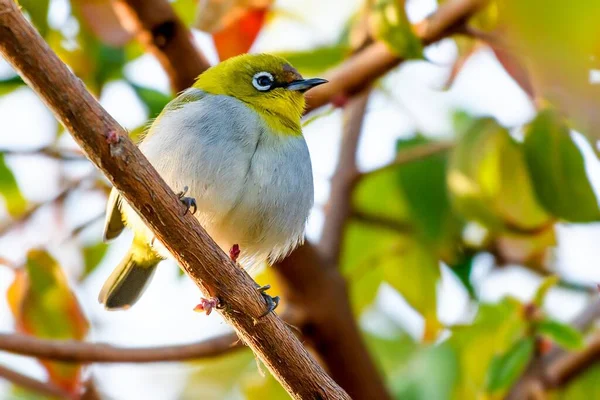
[{"x": 113, "y": 224}]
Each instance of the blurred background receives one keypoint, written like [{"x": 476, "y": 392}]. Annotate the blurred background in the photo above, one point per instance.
[{"x": 471, "y": 245}]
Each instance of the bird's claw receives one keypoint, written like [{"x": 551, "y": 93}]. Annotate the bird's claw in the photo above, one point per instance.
[
  {"x": 272, "y": 302},
  {"x": 188, "y": 202},
  {"x": 207, "y": 305}
]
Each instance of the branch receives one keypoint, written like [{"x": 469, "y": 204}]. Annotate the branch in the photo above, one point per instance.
[
  {"x": 82, "y": 352},
  {"x": 561, "y": 371},
  {"x": 339, "y": 206},
  {"x": 164, "y": 35},
  {"x": 109, "y": 148},
  {"x": 43, "y": 388},
  {"x": 51, "y": 152},
  {"x": 397, "y": 226},
  {"x": 375, "y": 60}
]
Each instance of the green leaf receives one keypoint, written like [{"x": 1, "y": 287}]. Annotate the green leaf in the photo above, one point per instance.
[
  {"x": 9, "y": 189},
  {"x": 495, "y": 329},
  {"x": 389, "y": 23},
  {"x": 542, "y": 291},
  {"x": 186, "y": 10},
  {"x": 506, "y": 368},
  {"x": 92, "y": 256},
  {"x": 558, "y": 170},
  {"x": 38, "y": 11},
  {"x": 462, "y": 270},
  {"x": 562, "y": 334},
  {"x": 412, "y": 270},
  {"x": 489, "y": 181},
  {"x": 430, "y": 373},
  {"x": 318, "y": 60},
  {"x": 9, "y": 85},
  {"x": 154, "y": 100},
  {"x": 423, "y": 184}
]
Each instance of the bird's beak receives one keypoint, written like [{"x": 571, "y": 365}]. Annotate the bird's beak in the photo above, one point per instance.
[{"x": 302, "y": 85}]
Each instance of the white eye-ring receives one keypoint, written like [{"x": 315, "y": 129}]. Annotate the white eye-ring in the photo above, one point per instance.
[{"x": 262, "y": 81}]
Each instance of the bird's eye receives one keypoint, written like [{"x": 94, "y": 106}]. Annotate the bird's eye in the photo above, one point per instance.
[{"x": 263, "y": 81}]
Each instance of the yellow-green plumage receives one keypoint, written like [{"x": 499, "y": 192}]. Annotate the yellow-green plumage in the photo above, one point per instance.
[{"x": 239, "y": 148}]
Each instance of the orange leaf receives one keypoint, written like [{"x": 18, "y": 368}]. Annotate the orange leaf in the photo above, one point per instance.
[
  {"x": 44, "y": 306},
  {"x": 238, "y": 37}
]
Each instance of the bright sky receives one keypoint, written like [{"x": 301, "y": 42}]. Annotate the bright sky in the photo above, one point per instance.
[{"x": 165, "y": 313}]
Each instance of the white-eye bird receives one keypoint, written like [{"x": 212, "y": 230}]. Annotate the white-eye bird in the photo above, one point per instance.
[{"x": 234, "y": 141}]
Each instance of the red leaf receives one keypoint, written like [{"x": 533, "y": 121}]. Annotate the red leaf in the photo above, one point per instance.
[{"x": 237, "y": 38}]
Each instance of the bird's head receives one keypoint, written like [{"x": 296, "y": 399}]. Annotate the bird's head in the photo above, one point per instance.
[{"x": 266, "y": 83}]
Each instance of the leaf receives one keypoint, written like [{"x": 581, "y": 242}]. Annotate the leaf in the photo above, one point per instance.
[
  {"x": 494, "y": 330},
  {"x": 92, "y": 256},
  {"x": 506, "y": 368},
  {"x": 154, "y": 100},
  {"x": 557, "y": 170},
  {"x": 257, "y": 387},
  {"x": 38, "y": 12},
  {"x": 542, "y": 291},
  {"x": 389, "y": 23},
  {"x": 414, "y": 272},
  {"x": 238, "y": 38},
  {"x": 9, "y": 189},
  {"x": 562, "y": 334},
  {"x": 430, "y": 373},
  {"x": 44, "y": 306},
  {"x": 318, "y": 60},
  {"x": 9, "y": 85},
  {"x": 462, "y": 270},
  {"x": 423, "y": 184},
  {"x": 489, "y": 181},
  {"x": 185, "y": 10}
]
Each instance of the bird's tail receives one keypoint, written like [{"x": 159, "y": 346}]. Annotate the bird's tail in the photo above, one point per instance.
[{"x": 130, "y": 278}]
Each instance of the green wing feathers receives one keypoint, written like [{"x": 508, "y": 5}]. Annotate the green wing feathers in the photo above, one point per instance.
[
  {"x": 113, "y": 224},
  {"x": 130, "y": 278}
]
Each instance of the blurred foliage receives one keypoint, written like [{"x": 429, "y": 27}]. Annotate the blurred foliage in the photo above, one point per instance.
[
  {"x": 43, "y": 305},
  {"x": 512, "y": 186}
]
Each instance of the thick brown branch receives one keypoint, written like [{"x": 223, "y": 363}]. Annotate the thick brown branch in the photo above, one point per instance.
[
  {"x": 109, "y": 148},
  {"x": 82, "y": 352},
  {"x": 163, "y": 34},
  {"x": 376, "y": 59},
  {"x": 26, "y": 382}
]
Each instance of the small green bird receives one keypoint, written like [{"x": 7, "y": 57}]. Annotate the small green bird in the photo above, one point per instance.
[{"x": 234, "y": 141}]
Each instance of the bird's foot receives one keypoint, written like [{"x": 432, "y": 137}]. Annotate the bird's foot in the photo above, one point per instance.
[
  {"x": 234, "y": 253},
  {"x": 207, "y": 305},
  {"x": 188, "y": 202},
  {"x": 272, "y": 302}
]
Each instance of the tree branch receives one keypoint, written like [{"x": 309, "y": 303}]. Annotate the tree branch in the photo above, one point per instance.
[
  {"x": 43, "y": 388},
  {"x": 565, "y": 368},
  {"x": 164, "y": 35},
  {"x": 109, "y": 148},
  {"x": 339, "y": 206},
  {"x": 82, "y": 352},
  {"x": 360, "y": 70}
]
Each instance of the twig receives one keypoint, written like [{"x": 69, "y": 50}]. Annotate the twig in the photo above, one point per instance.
[
  {"x": 375, "y": 60},
  {"x": 23, "y": 218},
  {"x": 43, "y": 388},
  {"x": 339, "y": 205},
  {"x": 414, "y": 154},
  {"x": 108, "y": 146},
  {"x": 162, "y": 33},
  {"x": 565, "y": 368},
  {"x": 397, "y": 226},
  {"x": 82, "y": 352},
  {"x": 58, "y": 154}
]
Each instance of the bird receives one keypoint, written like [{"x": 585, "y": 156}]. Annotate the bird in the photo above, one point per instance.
[{"x": 232, "y": 146}]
